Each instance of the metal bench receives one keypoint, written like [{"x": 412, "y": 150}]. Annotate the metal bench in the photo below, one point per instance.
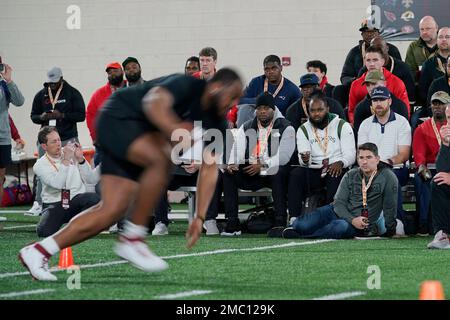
[{"x": 263, "y": 192}]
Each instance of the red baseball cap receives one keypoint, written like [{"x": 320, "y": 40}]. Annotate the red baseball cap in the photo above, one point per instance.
[{"x": 113, "y": 65}]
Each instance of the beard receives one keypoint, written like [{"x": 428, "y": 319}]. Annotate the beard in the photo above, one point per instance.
[
  {"x": 439, "y": 116},
  {"x": 320, "y": 123},
  {"x": 265, "y": 122},
  {"x": 134, "y": 77},
  {"x": 115, "y": 80}
]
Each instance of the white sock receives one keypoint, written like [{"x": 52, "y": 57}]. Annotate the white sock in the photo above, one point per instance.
[
  {"x": 131, "y": 230},
  {"x": 50, "y": 245}
]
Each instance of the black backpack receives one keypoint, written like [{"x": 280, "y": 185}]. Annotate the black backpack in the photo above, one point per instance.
[{"x": 260, "y": 222}]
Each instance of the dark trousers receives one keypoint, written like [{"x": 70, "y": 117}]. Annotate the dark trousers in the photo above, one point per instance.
[
  {"x": 305, "y": 181},
  {"x": 423, "y": 197},
  {"x": 440, "y": 207},
  {"x": 240, "y": 180},
  {"x": 54, "y": 215},
  {"x": 402, "y": 175},
  {"x": 324, "y": 223}
]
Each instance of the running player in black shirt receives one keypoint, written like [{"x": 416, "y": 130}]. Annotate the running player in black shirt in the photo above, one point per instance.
[{"x": 134, "y": 131}]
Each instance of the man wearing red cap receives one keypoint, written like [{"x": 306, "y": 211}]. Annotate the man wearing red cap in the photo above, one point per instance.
[{"x": 115, "y": 81}]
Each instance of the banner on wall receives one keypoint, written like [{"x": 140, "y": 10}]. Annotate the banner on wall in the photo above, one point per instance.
[{"x": 399, "y": 19}]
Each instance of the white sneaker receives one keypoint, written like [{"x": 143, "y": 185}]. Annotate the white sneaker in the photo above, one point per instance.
[
  {"x": 160, "y": 230},
  {"x": 35, "y": 259},
  {"x": 400, "y": 229},
  {"x": 138, "y": 254},
  {"x": 3, "y": 219},
  {"x": 35, "y": 210},
  {"x": 441, "y": 241},
  {"x": 211, "y": 227}
]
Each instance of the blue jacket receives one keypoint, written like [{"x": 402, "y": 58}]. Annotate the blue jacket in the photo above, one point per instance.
[{"x": 287, "y": 95}]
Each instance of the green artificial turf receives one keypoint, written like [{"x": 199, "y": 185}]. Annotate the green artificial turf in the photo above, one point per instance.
[{"x": 294, "y": 272}]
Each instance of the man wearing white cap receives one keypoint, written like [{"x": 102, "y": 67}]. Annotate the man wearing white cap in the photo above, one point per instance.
[{"x": 58, "y": 105}]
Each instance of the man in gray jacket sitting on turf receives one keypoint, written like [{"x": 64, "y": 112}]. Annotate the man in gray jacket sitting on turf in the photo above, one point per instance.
[{"x": 365, "y": 204}]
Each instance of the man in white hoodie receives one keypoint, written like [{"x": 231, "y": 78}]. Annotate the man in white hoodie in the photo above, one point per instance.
[
  {"x": 64, "y": 174},
  {"x": 326, "y": 149},
  {"x": 259, "y": 158}
]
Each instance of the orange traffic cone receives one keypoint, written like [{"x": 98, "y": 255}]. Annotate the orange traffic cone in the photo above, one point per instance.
[
  {"x": 65, "y": 258},
  {"x": 431, "y": 290}
]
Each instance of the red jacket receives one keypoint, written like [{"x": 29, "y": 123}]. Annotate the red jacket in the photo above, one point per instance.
[
  {"x": 425, "y": 145},
  {"x": 14, "y": 132},
  {"x": 232, "y": 115},
  {"x": 96, "y": 103},
  {"x": 323, "y": 83},
  {"x": 197, "y": 74},
  {"x": 358, "y": 92}
]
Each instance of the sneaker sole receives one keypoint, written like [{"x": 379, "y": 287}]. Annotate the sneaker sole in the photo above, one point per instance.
[
  {"x": 422, "y": 234},
  {"x": 438, "y": 248},
  {"x": 231, "y": 234}
]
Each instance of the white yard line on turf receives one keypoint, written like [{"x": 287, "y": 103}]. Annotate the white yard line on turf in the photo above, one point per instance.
[
  {"x": 24, "y": 293},
  {"x": 183, "y": 294},
  {"x": 19, "y": 227},
  {"x": 12, "y": 211},
  {"x": 198, "y": 254},
  {"x": 343, "y": 295}
]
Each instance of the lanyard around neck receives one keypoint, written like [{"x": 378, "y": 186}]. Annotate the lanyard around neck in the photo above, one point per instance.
[
  {"x": 54, "y": 100},
  {"x": 365, "y": 187},
  {"x": 323, "y": 146},
  {"x": 280, "y": 86},
  {"x": 261, "y": 144},
  {"x": 51, "y": 162},
  {"x": 436, "y": 131}
]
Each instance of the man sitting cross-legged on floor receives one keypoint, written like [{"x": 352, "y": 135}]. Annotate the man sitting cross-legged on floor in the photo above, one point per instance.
[{"x": 370, "y": 189}]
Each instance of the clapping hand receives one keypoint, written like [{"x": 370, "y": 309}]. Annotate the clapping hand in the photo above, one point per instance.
[{"x": 78, "y": 152}]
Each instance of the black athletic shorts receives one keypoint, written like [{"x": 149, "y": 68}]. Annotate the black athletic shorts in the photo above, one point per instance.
[
  {"x": 5, "y": 155},
  {"x": 114, "y": 136}
]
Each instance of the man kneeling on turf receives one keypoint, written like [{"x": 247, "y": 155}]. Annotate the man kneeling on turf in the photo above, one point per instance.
[
  {"x": 365, "y": 203},
  {"x": 64, "y": 174}
]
